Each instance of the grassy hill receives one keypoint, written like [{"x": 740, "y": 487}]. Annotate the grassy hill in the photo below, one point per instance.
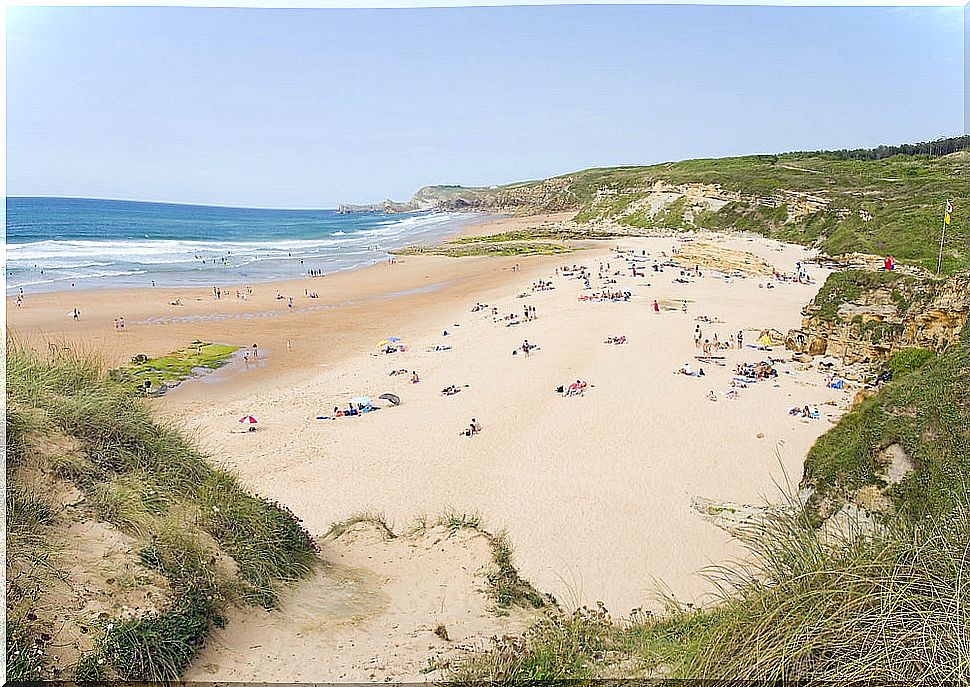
[
  {"x": 836, "y": 201},
  {"x": 124, "y": 545}
]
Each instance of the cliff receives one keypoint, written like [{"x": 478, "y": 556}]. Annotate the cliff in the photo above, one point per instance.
[{"x": 863, "y": 316}]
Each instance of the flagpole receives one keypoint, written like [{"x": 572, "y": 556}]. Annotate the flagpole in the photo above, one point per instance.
[{"x": 939, "y": 260}]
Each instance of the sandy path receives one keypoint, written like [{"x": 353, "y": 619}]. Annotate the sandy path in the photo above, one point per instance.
[{"x": 369, "y": 616}]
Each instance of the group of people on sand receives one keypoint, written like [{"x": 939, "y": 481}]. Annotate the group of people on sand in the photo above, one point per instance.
[
  {"x": 354, "y": 409},
  {"x": 119, "y": 324},
  {"x": 713, "y": 344},
  {"x": 615, "y": 340},
  {"x": 611, "y": 296},
  {"x": 686, "y": 369},
  {"x": 577, "y": 388},
  {"x": 452, "y": 389},
  {"x": 403, "y": 371},
  {"x": 764, "y": 369},
  {"x": 241, "y": 294},
  {"x": 543, "y": 285},
  {"x": 315, "y": 273},
  {"x": 806, "y": 412}
]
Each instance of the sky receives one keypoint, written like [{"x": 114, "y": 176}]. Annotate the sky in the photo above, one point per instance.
[{"x": 315, "y": 107}]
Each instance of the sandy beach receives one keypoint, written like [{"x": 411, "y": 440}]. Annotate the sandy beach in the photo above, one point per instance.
[{"x": 594, "y": 490}]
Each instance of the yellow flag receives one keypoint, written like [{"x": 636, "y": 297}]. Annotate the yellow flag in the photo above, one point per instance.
[{"x": 946, "y": 213}]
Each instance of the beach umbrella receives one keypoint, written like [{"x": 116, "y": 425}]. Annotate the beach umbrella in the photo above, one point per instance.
[
  {"x": 361, "y": 400},
  {"x": 393, "y": 339},
  {"x": 393, "y": 398},
  {"x": 247, "y": 420}
]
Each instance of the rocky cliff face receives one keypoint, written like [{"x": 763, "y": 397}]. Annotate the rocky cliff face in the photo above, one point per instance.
[
  {"x": 861, "y": 315},
  {"x": 548, "y": 195}
]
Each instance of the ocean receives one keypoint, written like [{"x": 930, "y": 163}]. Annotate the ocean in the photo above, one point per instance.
[{"x": 63, "y": 243}]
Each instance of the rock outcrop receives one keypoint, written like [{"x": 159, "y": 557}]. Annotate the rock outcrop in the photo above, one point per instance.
[{"x": 871, "y": 323}]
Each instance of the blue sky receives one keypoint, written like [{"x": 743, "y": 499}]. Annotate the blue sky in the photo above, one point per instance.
[{"x": 309, "y": 108}]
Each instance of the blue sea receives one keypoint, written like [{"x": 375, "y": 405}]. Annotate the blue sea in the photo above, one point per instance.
[{"x": 60, "y": 243}]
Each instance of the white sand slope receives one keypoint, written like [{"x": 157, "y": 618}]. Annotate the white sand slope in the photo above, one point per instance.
[{"x": 369, "y": 616}]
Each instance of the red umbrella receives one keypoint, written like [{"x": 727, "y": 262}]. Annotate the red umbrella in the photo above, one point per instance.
[{"x": 248, "y": 420}]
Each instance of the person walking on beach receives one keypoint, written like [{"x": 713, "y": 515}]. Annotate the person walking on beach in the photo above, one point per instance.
[
  {"x": 121, "y": 324},
  {"x": 656, "y": 307},
  {"x": 77, "y": 314},
  {"x": 255, "y": 352},
  {"x": 740, "y": 339}
]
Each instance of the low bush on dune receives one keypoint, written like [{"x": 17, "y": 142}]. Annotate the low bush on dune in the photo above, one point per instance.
[{"x": 82, "y": 450}]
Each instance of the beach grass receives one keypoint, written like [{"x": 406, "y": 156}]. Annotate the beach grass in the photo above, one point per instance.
[
  {"x": 74, "y": 428},
  {"x": 175, "y": 367},
  {"x": 374, "y": 518}
]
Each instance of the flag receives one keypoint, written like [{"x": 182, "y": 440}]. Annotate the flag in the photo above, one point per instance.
[{"x": 946, "y": 214}]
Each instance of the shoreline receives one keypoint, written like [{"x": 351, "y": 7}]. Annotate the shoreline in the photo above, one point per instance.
[{"x": 463, "y": 223}]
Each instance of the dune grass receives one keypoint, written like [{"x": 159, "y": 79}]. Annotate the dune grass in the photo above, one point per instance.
[{"x": 71, "y": 419}]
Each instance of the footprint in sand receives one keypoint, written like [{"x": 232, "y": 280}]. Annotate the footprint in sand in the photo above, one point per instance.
[{"x": 333, "y": 596}]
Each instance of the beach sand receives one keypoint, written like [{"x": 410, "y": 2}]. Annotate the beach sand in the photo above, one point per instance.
[{"x": 594, "y": 491}]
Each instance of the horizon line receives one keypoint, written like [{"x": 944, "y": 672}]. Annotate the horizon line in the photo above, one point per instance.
[{"x": 177, "y": 202}]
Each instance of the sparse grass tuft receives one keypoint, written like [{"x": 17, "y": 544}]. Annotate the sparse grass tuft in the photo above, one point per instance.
[{"x": 375, "y": 518}]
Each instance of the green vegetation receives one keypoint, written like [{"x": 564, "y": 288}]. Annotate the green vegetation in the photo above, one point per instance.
[
  {"x": 926, "y": 411},
  {"x": 887, "y": 200},
  {"x": 843, "y": 287},
  {"x": 888, "y": 206},
  {"x": 481, "y": 248},
  {"x": 378, "y": 520},
  {"x": 83, "y": 451},
  {"x": 174, "y": 367},
  {"x": 909, "y": 360}
]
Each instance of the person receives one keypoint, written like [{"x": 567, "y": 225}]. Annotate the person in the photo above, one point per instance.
[
  {"x": 414, "y": 377},
  {"x": 740, "y": 339},
  {"x": 476, "y": 428},
  {"x": 656, "y": 306},
  {"x": 289, "y": 345},
  {"x": 77, "y": 314},
  {"x": 255, "y": 351},
  {"x": 121, "y": 324}
]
